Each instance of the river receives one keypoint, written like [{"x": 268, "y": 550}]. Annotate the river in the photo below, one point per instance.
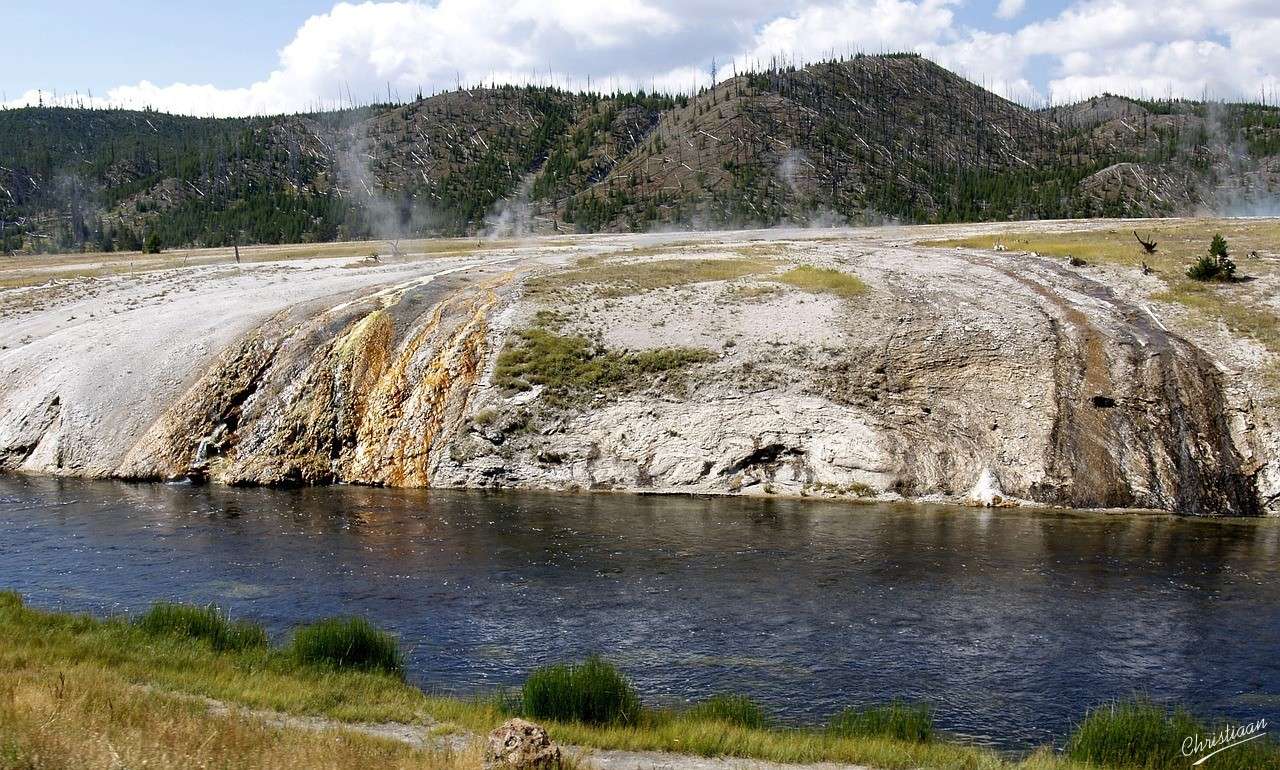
[{"x": 1011, "y": 623}]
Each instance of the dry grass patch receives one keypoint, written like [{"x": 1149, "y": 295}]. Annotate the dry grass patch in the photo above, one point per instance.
[
  {"x": 1179, "y": 244},
  {"x": 620, "y": 279},
  {"x": 83, "y": 716},
  {"x": 763, "y": 249},
  {"x": 822, "y": 280}
]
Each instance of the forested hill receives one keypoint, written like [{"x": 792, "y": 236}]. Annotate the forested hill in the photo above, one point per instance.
[{"x": 852, "y": 140}]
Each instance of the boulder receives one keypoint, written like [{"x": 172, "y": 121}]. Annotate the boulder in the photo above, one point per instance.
[{"x": 520, "y": 745}]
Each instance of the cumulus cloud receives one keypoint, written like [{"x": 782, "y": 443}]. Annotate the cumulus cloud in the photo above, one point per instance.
[
  {"x": 356, "y": 52},
  {"x": 871, "y": 26},
  {"x": 1159, "y": 48},
  {"x": 1008, "y": 9}
]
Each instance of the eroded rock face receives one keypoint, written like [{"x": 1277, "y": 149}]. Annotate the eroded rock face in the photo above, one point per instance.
[
  {"x": 520, "y": 745},
  {"x": 989, "y": 377},
  {"x": 362, "y": 393},
  {"x": 954, "y": 367}
]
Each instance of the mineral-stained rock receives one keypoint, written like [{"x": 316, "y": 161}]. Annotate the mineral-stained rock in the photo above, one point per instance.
[
  {"x": 520, "y": 745},
  {"x": 959, "y": 374},
  {"x": 363, "y": 393}
]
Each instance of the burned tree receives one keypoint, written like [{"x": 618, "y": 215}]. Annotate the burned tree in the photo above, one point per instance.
[{"x": 1147, "y": 246}]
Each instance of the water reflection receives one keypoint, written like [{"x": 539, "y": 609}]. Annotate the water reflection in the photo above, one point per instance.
[{"x": 1010, "y": 622}]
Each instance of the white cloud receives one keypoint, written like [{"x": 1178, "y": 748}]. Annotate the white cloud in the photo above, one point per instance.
[
  {"x": 1152, "y": 47},
  {"x": 1009, "y": 9},
  {"x": 363, "y": 49},
  {"x": 871, "y": 26},
  {"x": 1159, "y": 48}
]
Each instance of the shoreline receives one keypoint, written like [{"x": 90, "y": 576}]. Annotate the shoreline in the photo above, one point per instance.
[
  {"x": 267, "y": 686},
  {"x": 1025, "y": 506}
]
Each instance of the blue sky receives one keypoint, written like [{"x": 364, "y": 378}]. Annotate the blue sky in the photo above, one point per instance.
[
  {"x": 240, "y": 57},
  {"x": 95, "y": 45}
]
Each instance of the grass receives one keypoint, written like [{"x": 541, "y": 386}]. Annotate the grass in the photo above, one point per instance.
[
  {"x": 72, "y": 716},
  {"x": 620, "y": 279},
  {"x": 568, "y": 366},
  {"x": 76, "y": 691},
  {"x": 903, "y": 721},
  {"x": 731, "y": 709},
  {"x": 1180, "y": 242},
  {"x": 347, "y": 643},
  {"x": 592, "y": 692},
  {"x": 1140, "y": 734},
  {"x": 1180, "y": 245},
  {"x": 822, "y": 280},
  {"x": 204, "y": 623}
]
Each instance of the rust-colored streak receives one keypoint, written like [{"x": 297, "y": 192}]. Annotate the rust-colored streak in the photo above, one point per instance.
[{"x": 420, "y": 398}]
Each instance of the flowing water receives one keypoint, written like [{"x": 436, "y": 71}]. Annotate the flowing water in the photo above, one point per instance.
[{"x": 1010, "y": 622}]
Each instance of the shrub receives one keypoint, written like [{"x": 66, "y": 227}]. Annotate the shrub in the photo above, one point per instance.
[
  {"x": 1216, "y": 265},
  {"x": 151, "y": 245},
  {"x": 733, "y": 709},
  {"x": 900, "y": 720},
  {"x": 207, "y": 623},
  {"x": 347, "y": 643},
  {"x": 1204, "y": 269},
  {"x": 592, "y": 692},
  {"x": 1140, "y": 734}
]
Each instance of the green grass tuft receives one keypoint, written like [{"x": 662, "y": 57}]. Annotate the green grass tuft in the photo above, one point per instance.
[
  {"x": 592, "y": 692},
  {"x": 37, "y": 646},
  {"x": 732, "y": 709},
  {"x": 822, "y": 280},
  {"x": 1141, "y": 734},
  {"x": 899, "y": 720},
  {"x": 347, "y": 643},
  {"x": 206, "y": 623},
  {"x": 568, "y": 366}
]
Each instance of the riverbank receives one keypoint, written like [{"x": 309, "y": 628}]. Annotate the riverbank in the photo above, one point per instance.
[
  {"x": 853, "y": 364},
  {"x": 807, "y": 606},
  {"x": 81, "y": 692}
]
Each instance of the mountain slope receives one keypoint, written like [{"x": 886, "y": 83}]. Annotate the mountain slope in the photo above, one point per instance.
[{"x": 858, "y": 139}]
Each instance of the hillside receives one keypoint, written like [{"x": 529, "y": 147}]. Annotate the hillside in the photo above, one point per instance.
[{"x": 854, "y": 140}]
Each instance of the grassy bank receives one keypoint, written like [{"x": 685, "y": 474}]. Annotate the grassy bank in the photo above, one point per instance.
[{"x": 117, "y": 692}]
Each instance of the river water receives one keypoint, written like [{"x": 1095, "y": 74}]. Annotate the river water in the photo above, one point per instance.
[{"x": 1011, "y": 623}]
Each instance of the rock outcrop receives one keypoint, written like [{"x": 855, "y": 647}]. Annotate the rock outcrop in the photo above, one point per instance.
[
  {"x": 956, "y": 367},
  {"x": 985, "y": 377}
]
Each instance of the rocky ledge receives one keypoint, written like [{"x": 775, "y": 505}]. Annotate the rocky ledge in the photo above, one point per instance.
[{"x": 849, "y": 364}]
